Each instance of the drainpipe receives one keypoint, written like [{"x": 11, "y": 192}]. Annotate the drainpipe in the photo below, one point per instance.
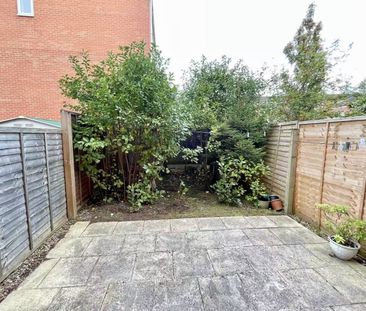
[{"x": 152, "y": 23}]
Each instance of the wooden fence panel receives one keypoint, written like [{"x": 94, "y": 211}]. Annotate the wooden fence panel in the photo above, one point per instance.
[{"x": 32, "y": 195}]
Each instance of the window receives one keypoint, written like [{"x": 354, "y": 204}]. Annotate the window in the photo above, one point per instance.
[{"x": 25, "y": 7}]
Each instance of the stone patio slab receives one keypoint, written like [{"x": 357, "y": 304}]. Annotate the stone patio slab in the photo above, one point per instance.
[
  {"x": 229, "y": 260},
  {"x": 30, "y": 299},
  {"x": 347, "y": 281},
  {"x": 210, "y": 224},
  {"x": 129, "y": 296},
  {"x": 36, "y": 277},
  {"x": 184, "y": 225},
  {"x": 284, "y": 221},
  {"x": 224, "y": 293},
  {"x": 192, "y": 264},
  {"x": 203, "y": 240},
  {"x": 181, "y": 295},
  {"x": 105, "y": 245},
  {"x": 139, "y": 243},
  {"x": 153, "y": 267},
  {"x": 77, "y": 229},
  {"x": 313, "y": 288},
  {"x": 356, "y": 307},
  {"x": 79, "y": 298},
  {"x": 99, "y": 228},
  {"x": 69, "y": 247},
  {"x": 171, "y": 241},
  {"x": 232, "y": 238},
  {"x": 268, "y": 291},
  {"x": 258, "y": 222},
  {"x": 69, "y": 272},
  {"x": 112, "y": 269},
  {"x": 299, "y": 235},
  {"x": 129, "y": 227},
  {"x": 235, "y": 222},
  {"x": 153, "y": 226},
  {"x": 262, "y": 237}
]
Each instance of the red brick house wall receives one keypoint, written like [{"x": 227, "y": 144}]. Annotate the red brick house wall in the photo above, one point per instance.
[{"x": 34, "y": 50}]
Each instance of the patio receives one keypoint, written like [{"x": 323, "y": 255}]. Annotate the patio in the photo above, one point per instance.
[{"x": 227, "y": 263}]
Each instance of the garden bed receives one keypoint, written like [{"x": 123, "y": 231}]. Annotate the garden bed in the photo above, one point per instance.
[{"x": 194, "y": 204}]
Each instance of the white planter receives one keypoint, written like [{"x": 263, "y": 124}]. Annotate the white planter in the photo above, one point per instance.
[{"x": 343, "y": 252}]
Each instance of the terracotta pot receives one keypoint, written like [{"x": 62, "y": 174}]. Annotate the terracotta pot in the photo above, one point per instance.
[{"x": 276, "y": 205}]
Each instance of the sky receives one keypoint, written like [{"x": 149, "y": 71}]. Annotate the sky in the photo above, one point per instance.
[{"x": 255, "y": 31}]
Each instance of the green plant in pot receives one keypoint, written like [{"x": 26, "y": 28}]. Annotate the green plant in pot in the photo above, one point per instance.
[{"x": 347, "y": 231}]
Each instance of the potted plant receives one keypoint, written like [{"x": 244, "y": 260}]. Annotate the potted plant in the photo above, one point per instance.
[{"x": 347, "y": 232}]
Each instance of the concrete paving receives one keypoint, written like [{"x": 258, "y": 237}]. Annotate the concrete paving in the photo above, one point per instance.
[{"x": 229, "y": 263}]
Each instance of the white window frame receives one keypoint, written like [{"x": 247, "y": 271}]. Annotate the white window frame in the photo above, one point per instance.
[{"x": 25, "y": 14}]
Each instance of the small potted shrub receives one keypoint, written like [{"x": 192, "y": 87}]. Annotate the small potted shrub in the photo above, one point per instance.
[{"x": 347, "y": 232}]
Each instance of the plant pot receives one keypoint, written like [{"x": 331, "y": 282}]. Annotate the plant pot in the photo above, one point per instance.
[
  {"x": 276, "y": 204},
  {"x": 263, "y": 201},
  {"x": 343, "y": 252}
]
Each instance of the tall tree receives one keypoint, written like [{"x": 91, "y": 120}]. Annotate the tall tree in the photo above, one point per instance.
[{"x": 303, "y": 90}]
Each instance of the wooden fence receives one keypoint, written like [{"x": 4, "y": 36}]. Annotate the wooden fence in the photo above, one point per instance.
[
  {"x": 78, "y": 184},
  {"x": 318, "y": 162},
  {"x": 32, "y": 192}
]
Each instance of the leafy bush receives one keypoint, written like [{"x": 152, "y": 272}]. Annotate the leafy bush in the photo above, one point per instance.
[
  {"x": 240, "y": 179},
  {"x": 130, "y": 121},
  {"x": 345, "y": 228}
]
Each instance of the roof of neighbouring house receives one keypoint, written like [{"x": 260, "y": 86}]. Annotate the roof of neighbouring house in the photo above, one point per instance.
[{"x": 30, "y": 122}]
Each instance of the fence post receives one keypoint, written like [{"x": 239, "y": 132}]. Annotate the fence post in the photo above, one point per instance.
[
  {"x": 291, "y": 171},
  {"x": 276, "y": 157},
  {"x": 48, "y": 180},
  {"x": 68, "y": 155},
  {"x": 325, "y": 151},
  {"x": 25, "y": 187}
]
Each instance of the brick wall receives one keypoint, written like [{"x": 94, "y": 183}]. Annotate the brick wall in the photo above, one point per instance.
[{"x": 34, "y": 50}]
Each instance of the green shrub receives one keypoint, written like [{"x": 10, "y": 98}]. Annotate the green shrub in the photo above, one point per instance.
[
  {"x": 130, "y": 121},
  {"x": 240, "y": 179},
  {"x": 345, "y": 228}
]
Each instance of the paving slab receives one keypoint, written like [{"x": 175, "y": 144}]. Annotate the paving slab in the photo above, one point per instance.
[
  {"x": 153, "y": 267},
  {"x": 87, "y": 298},
  {"x": 69, "y": 272},
  {"x": 112, "y": 269},
  {"x": 224, "y": 293},
  {"x": 235, "y": 222},
  {"x": 139, "y": 243},
  {"x": 184, "y": 225},
  {"x": 203, "y": 240},
  {"x": 182, "y": 295},
  {"x": 99, "y": 228},
  {"x": 153, "y": 226},
  {"x": 313, "y": 288},
  {"x": 282, "y": 257},
  {"x": 29, "y": 300},
  {"x": 69, "y": 247},
  {"x": 210, "y": 224},
  {"x": 229, "y": 260},
  {"x": 347, "y": 281},
  {"x": 354, "y": 307},
  {"x": 129, "y": 227},
  {"x": 262, "y": 237},
  {"x": 77, "y": 229},
  {"x": 192, "y": 264},
  {"x": 259, "y": 222},
  {"x": 284, "y": 221},
  {"x": 104, "y": 245},
  {"x": 268, "y": 291},
  {"x": 37, "y": 276},
  {"x": 129, "y": 296},
  {"x": 171, "y": 241},
  {"x": 233, "y": 238},
  {"x": 299, "y": 235}
]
